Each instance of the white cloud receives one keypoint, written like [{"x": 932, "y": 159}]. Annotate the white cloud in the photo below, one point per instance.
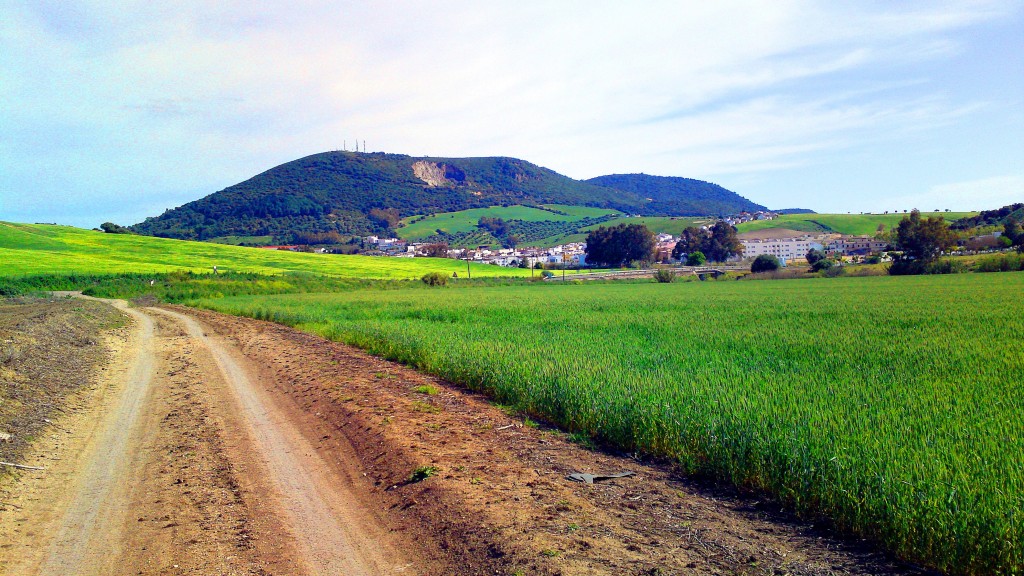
[{"x": 136, "y": 98}]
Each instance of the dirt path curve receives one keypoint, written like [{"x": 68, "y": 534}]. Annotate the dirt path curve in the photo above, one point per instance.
[{"x": 335, "y": 532}]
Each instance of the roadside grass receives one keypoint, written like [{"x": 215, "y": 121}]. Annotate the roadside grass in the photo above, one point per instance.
[{"x": 890, "y": 405}]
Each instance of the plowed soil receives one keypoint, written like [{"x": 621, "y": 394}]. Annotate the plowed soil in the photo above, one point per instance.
[{"x": 234, "y": 446}]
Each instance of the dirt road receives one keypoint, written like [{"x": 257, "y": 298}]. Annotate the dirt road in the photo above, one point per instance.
[
  {"x": 130, "y": 489},
  {"x": 220, "y": 445}
]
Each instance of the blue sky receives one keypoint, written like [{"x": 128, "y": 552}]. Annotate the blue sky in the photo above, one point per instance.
[{"x": 119, "y": 110}]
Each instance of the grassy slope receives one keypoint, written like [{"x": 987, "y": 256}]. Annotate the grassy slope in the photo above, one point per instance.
[
  {"x": 902, "y": 422},
  {"x": 859, "y": 224},
  {"x": 658, "y": 224},
  {"x": 45, "y": 249},
  {"x": 466, "y": 220}
]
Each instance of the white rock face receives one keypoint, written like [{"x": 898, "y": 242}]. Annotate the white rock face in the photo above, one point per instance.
[{"x": 430, "y": 172}]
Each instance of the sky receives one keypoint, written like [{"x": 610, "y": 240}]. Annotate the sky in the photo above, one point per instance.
[{"x": 116, "y": 111}]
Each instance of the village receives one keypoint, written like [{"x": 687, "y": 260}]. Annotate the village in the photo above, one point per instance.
[{"x": 786, "y": 245}]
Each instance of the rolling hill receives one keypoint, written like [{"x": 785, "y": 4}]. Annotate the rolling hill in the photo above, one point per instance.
[
  {"x": 29, "y": 249},
  {"x": 855, "y": 224},
  {"x": 353, "y": 193},
  {"x": 674, "y": 196}
]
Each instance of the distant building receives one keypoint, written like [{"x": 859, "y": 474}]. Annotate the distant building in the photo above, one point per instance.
[{"x": 782, "y": 248}]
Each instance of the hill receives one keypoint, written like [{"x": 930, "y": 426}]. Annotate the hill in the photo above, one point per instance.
[
  {"x": 46, "y": 249},
  {"x": 528, "y": 225},
  {"x": 360, "y": 193},
  {"x": 674, "y": 196},
  {"x": 997, "y": 217},
  {"x": 353, "y": 193}
]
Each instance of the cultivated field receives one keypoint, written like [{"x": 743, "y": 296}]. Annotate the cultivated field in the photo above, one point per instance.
[
  {"x": 857, "y": 224},
  {"x": 890, "y": 405},
  {"x": 660, "y": 224},
  {"x": 44, "y": 249},
  {"x": 466, "y": 220}
]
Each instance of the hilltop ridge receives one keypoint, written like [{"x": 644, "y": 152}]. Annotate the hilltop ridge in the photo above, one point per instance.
[
  {"x": 358, "y": 193},
  {"x": 676, "y": 196}
]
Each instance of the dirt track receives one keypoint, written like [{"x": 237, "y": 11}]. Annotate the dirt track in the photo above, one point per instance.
[{"x": 220, "y": 445}]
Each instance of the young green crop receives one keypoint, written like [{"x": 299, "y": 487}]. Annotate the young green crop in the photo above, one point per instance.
[
  {"x": 891, "y": 405},
  {"x": 858, "y": 224},
  {"x": 29, "y": 249},
  {"x": 463, "y": 221}
]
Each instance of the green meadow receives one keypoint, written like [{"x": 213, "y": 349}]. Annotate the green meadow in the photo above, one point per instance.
[
  {"x": 34, "y": 249},
  {"x": 856, "y": 224},
  {"x": 659, "y": 224},
  {"x": 466, "y": 220},
  {"x": 891, "y": 405}
]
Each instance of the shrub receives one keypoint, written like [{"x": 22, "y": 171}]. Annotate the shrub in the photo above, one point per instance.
[
  {"x": 1001, "y": 263},
  {"x": 696, "y": 259},
  {"x": 822, "y": 265},
  {"x": 435, "y": 279},
  {"x": 665, "y": 276},
  {"x": 764, "y": 263},
  {"x": 947, "y": 266},
  {"x": 9, "y": 289},
  {"x": 814, "y": 256},
  {"x": 834, "y": 271}
]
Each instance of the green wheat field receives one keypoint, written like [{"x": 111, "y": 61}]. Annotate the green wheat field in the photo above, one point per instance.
[
  {"x": 891, "y": 405},
  {"x": 30, "y": 249}
]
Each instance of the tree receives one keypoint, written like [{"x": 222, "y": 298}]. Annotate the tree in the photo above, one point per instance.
[
  {"x": 718, "y": 245},
  {"x": 689, "y": 242},
  {"x": 664, "y": 276},
  {"x": 696, "y": 258},
  {"x": 436, "y": 250},
  {"x": 387, "y": 218},
  {"x": 818, "y": 260},
  {"x": 814, "y": 256},
  {"x": 921, "y": 241},
  {"x": 620, "y": 244},
  {"x": 823, "y": 265},
  {"x": 111, "y": 228},
  {"x": 1012, "y": 230},
  {"x": 496, "y": 226},
  {"x": 764, "y": 263},
  {"x": 723, "y": 243}
]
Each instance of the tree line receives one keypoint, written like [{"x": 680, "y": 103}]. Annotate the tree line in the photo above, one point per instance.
[{"x": 635, "y": 243}]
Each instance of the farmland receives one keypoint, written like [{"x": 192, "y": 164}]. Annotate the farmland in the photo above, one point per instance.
[
  {"x": 466, "y": 220},
  {"x": 855, "y": 224},
  {"x": 27, "y": 249},
  {"x": 889, "y": 405}
]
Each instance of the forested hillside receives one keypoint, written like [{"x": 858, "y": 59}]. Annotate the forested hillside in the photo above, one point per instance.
[
  {"x": 359, "y": 193},
  {"x": 673, "y": 196},
  {"x": 354, "y": 193}
]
